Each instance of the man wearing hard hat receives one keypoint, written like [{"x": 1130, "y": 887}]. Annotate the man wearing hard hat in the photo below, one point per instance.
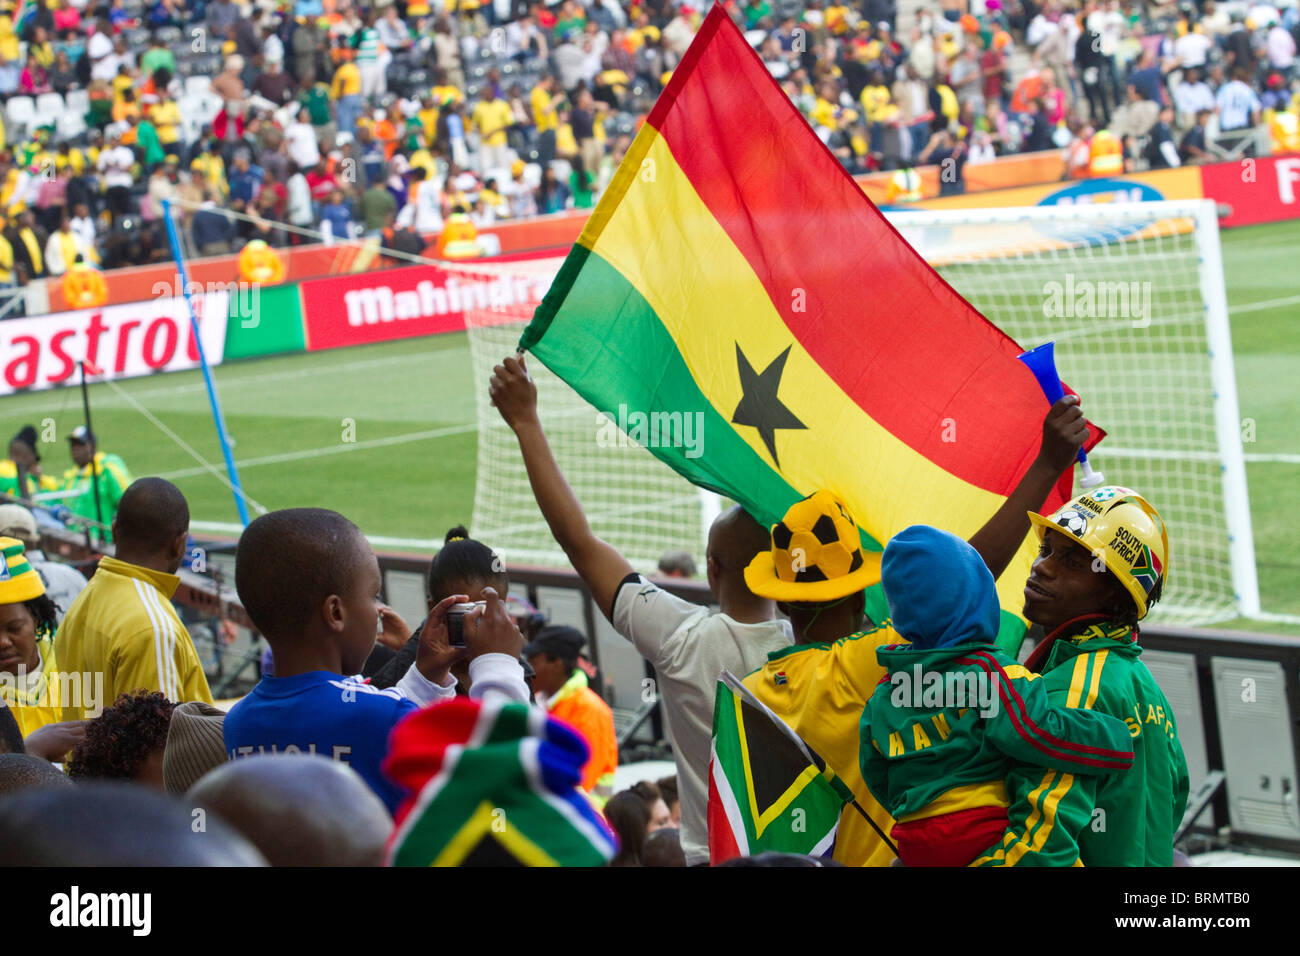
[{"x": 1103, "y": 563}]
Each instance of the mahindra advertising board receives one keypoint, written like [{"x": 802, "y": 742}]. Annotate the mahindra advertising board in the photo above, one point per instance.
[
  {"x": 120, "y": 341},
  {"x": 416, "y": 301}
]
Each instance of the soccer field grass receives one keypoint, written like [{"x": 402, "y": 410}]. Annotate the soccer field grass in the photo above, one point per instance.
[{"x": 386, "y": 434}]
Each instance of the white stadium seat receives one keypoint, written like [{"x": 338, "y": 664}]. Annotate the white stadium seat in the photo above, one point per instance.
[{"x": 19, "y": 114}]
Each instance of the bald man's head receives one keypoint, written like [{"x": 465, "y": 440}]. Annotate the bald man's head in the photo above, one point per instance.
[
  {"x": 25, "y": 772},
  {"x": 734, "y": 539},
  {"x": 151, "y": 517},
  {"x": 298, "y": 809},
  {"x": 113, "y": 824}
]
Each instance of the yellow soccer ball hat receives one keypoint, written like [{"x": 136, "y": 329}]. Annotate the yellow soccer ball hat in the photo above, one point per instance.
[
  {"x": 816, "y": 555},
  {"x": 1123, "y": 529}
]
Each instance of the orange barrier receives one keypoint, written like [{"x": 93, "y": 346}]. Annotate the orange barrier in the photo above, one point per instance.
[
  {"x": 1004, "y": 173},
  {"x": 138, "y": 283}
]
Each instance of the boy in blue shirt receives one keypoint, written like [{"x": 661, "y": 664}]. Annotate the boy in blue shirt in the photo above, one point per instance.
[{"x": 310, "y": 581}]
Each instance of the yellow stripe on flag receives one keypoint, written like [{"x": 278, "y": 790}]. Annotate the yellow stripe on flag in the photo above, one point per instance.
[{"x": 669, "y": 247}]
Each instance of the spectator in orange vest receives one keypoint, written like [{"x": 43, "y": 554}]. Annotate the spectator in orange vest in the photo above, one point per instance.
[{"x": 561, "y": 688}]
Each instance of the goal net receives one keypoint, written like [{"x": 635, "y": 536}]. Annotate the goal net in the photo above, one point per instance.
[{"x": 1131, "y": 293}]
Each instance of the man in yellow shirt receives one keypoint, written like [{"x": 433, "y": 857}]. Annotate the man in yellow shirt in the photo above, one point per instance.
[
  {"x": 546, "y": 119},
  {"x": 166, "y": 118},
  {"x": 346, "y": 93},
  {"x": 123, "y": 624},
  {"x": 821, "y": 685},
  {"x": 492, "y": 116}
]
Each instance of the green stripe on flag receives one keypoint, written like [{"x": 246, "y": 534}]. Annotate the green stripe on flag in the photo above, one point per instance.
[{"x": 607, "y": 341}]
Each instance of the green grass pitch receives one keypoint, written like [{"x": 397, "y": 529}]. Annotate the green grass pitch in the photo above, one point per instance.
[{"x": 408, "y": 472}]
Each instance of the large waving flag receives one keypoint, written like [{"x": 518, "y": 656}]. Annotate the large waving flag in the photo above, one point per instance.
[
  {"x": 768, "y": 790},
  {"x": 735, "y": 272}
]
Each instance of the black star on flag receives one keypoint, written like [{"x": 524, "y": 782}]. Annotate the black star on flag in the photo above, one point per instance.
[{"x": 759, "y": 406}]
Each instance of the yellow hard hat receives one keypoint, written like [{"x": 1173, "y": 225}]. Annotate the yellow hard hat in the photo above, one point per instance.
[
  {"x": 1123, "y": 529},
  {"x": 816, "y": 555}
]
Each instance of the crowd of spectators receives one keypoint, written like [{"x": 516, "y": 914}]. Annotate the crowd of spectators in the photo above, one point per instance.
[{"x": 323, "y": 116}]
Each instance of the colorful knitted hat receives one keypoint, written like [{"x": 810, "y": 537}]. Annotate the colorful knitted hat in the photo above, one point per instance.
[
  {"x": 18, "y": 579},
  {"x": 494, "y": 784}
]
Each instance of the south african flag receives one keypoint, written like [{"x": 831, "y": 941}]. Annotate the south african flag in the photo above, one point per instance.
[{"x": 494, "y": 784}]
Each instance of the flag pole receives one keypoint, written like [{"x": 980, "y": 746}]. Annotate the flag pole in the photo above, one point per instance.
[
  {"x": 94, "y": 465},
  {"x": 174, "y": 240}
]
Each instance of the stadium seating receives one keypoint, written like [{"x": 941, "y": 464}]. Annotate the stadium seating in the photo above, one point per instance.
[
  {"x": 20, "y": 111},
  {"x": 48, "y": 105}
]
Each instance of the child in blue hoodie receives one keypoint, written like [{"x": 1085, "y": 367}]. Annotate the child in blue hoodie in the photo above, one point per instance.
[{"x": 956, "y": 713}]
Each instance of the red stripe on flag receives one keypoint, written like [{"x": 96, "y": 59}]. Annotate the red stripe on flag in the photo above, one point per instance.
[
  {"x": 722, "y": 842},
  {"x": 874, "y": 316}
]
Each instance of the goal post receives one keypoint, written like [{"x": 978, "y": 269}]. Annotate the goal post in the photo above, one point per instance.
[
  {"x": 1133, "y": 295},
  {"x": 1227, "y": 413}
]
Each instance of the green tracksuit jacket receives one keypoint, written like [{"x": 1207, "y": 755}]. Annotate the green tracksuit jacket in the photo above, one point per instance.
[
  {"x": 1128, "y": 819},
  {"x": 947, "y": 725},
  {"x": 113, "y": 481}
]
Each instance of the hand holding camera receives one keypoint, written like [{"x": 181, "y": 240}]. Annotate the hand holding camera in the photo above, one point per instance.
[
  {"x": 437, "y": 653},
  {"x": 489, "y": 629}
]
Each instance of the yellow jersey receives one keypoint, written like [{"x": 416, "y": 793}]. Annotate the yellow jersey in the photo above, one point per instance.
[
  {"x": 347, "y": 81},
  {"x": 492, "y": 119},
  {"x": 40, "y": 702},
  {"x": 123, "y": 625},
  {"x": 820, "y": 690},
  {"x": 544, "y": 115}
]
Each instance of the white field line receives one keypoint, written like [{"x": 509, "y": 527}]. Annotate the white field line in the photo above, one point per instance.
[
  {"x": 1266, "y": 304},
  {"x": 310, "y": 453},
  {"x": 235, "y": 530},
  {"x": 1165, "y": 455},
  {"x": 206, "y": 467}
]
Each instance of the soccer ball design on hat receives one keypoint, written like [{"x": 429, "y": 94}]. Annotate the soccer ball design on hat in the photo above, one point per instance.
[
  {"x": 816, "y": 554},
  {"x": 1072, "y": 522}
]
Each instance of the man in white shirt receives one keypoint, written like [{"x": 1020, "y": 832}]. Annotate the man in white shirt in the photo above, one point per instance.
[
  {"x": 99, "y": 48},
  {"x": 688, "y": 645},
  {"x": 114, "y": 167},
  {"x": 1192, "y": 48},
  {"x": 1191, "y": 96},
  {"x": 1281, "y": 49},
  {"x": 300, "y": 141}
]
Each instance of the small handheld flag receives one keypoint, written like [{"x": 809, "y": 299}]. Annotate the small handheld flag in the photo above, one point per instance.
[{"x": 1042, "y": 362}]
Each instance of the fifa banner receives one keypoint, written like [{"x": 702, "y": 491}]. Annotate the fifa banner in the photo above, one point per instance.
[
  {"x": 119, "y": 341},
  {"x": 408, "y": 302}
]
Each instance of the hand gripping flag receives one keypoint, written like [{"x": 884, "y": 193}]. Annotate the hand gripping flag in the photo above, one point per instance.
[
  {"x": 735, "y": 270},
  {"x": 493, "y": 784},
  {"x": 768, "y": 790}
]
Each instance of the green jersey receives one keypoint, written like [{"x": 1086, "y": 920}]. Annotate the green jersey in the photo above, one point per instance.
[
  {"x": 317, "y": 101},
  {"x": 113, "y": 480},
  {"x": 1128, "y": 819},
  {"x": 948, "y": 724}
]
